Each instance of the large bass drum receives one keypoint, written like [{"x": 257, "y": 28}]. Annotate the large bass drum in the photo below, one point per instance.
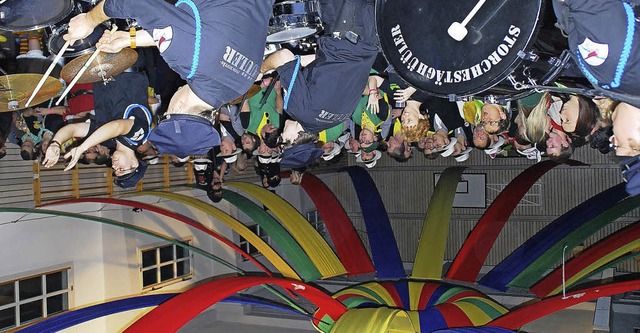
[
  {"x": 455, "y": 50},
  {"x": 25, "y": 15}
]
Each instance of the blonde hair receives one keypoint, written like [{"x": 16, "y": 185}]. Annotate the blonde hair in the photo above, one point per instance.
[
  {"x": 415, "y": 133},
  {"x": 536, "y": 122}
]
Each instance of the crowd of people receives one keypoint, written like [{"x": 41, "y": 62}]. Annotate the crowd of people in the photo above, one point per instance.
[{"x": 187, "y": 97}]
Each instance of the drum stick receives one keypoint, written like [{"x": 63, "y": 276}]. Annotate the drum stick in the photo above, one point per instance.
[
  {"x": 49, "y": 70},
  {"x": 82, "y": 70},
  {"x": 77, "y": 77}
]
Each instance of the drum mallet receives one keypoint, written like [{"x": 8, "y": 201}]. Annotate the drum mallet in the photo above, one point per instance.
[
  {"x": 49, "y": 70},
  {"x": 458, "y": 30}
]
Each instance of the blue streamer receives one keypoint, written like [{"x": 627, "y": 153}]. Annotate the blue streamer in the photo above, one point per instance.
[
  {"x": 507, "y": 270},
  {"x": 384, "y": 249},
  {"x": 72, "y": 318}
]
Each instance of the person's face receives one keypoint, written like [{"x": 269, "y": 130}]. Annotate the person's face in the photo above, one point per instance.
[
  {"x": 490, "y": 117},
  {"x": 556, "y": 142},
  {"x": 227, "y": 146},
  {"x": 366, "y": 137},
  {"x": 569, "y": 114},
  {"x": 27, "y": 145},
  {"x": 122, "y": 163},
  {"x": 247, "y": 142},
  {"x": 268, "y": 128},
  {"x": 328, "y": 147},
  {"x": 409, "y": 118},
  {"x": 626, "y": 130},
  {"x": 422, "y": 143},
  {"x": 354, "y": 145},
  {"x": 407, "y": 149},
  {"x": 263, "y": 149},
  {"x": 440, "y": 140},
  {"x": 479, "y": 136},
  {"x": 394, "y": 143},
  {"x": 216, "y": 184},
  {"x": 367, "y": 156}
]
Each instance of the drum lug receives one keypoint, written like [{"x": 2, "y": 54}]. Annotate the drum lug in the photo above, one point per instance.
[
  {"x": 530, "y": 56},
  {"x": 516, "y": 85}
]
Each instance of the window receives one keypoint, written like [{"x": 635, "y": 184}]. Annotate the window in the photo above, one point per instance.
[
  {"x": 165, "y": 264},
  {"x": 316, "y": 221},
  {"x": 34, "y": 297},
  {"x": 247, "y": 247}
]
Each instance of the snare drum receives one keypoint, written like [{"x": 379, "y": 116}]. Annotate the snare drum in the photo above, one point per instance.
[
  {"x": 25, "y": 15},
  {"x": 493, "y": 54},
  {"x": 293, "y": 20},
  {"x": 56, "y": 42}
]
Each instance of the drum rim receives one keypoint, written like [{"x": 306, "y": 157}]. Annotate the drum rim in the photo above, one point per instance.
[
  {"x": 60, "y": 17},
  {"x": 55, "y": 34},
  {"x": 378, "y": 14},
  {"x": 271, "y": 41}
]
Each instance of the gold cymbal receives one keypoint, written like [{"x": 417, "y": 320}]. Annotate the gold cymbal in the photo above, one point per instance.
[
  {"x": 105, "y": 66},
  {"x": 254, "y": 89},
  {"x": 16, "y": 90}
]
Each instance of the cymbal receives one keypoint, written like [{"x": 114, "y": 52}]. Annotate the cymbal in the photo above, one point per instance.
[
  {"x": 17, "y": 88},
  {"x": 254, "y": 89},
  {"x": 105, "y": 66}
]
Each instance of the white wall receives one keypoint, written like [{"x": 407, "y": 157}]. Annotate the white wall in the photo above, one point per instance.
[{"x": 105, "y": 259}]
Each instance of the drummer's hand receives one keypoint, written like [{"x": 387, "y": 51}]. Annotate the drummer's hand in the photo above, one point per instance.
[
  {"x": 51, "y": 155},
  {"x": 42, "y": 111},
  {"x": 114, "y": 42},
  {"x": 74, "y": 154},
  {"x": 372, "y": 105},
  {"x": 402, "y": 95},
  {"x": 79, "y": 27}
]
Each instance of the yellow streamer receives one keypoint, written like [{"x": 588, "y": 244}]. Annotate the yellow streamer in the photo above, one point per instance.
[
  {"x": 375, "y": 320},
  {"x": 237, "y": 226},
  {"x": 475, "y": 314},
  {"x": 309, "y": 239},
  {"x": 433, "y": 240},
  {"x": 599, "y": 263}
]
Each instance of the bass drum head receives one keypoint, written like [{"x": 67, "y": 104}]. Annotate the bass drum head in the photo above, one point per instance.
[
  {"x": 24, "y": 15},
  {"x": 415, "y": 39},
  {"x": 80, "y": 47}
]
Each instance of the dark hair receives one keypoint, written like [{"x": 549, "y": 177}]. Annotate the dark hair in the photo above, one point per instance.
[
  {"x": 398, "y": 154},
  {"x": 600, "y": 139},
  {"x": 587, "y": 116},
  {"x": 256, "y": 142},
  {"x": 274, "y": 181},
  {"x": 178, "y": 164},
  {"x": 214, "y": 195},
  {"x": 102, "y": 159},
  {"x": 28, "y": 156},
  {"x": 3, "y": 154},
  {"x": 85, "y": 161},
  {"x": 564, "y": 156},
  {"x": 272, "y": 140}
]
